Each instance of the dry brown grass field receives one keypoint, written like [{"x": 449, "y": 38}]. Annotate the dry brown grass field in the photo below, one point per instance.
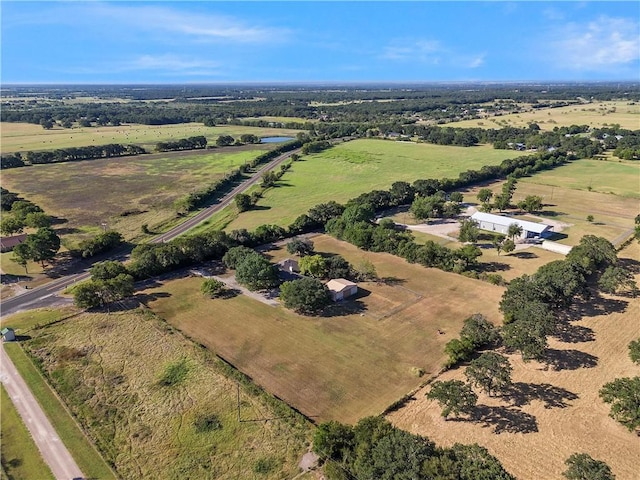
[
  {"x": 107, "y": 368},
  {"x": 351, "y": 363},
  {"x": 555, "y": 411},
  {"x": 595, "y": 115},
  {"x": 22, "y": 137},
  {"x": 91, "y": 192}
]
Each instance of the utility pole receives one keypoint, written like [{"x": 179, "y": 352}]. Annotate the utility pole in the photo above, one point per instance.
[{"x": 238, "y": 385}]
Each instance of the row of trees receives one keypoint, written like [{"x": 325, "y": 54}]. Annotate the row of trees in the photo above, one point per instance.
[
  {"x": 191, "y": 143},
  {"x": 21, "y": 214},
  {"x": 374, "y": 448},
  {"x": 70, "y": 154},
  {"x": 110, "y": 282}
]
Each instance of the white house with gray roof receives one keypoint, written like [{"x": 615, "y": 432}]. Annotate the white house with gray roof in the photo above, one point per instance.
[{"x": 500, "y": 224}]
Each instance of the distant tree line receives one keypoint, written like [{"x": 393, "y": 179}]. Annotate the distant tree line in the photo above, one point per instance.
[
  {"x": 191, "y": 143},
  {"x": 70, "y": 154}
]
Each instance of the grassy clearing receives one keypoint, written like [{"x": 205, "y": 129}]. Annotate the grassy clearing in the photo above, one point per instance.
[
  {"x": 91, "y": 192},
  {"x": 559, "y": 411},
  {"x": 85, "y": 455},
  {"x": 24, "y": 322},
  {"x": 604, "y": 176},
  {"x": 353, "y": 362},
  {"x": 349, "y": 169},
  {"x": 20, "y": 456},
  {"x": 109, "y": 371},
  {"x": 26, "y": 136},
  {"x": 593, "y": 114}
]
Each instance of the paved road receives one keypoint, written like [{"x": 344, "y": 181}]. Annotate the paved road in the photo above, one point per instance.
[
  {"x": 53, "y": 451},
  {"x": 43, "y": 296}
]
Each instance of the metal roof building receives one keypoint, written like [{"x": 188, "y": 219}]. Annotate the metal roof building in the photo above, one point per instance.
[{"x": 500, "y": 224}]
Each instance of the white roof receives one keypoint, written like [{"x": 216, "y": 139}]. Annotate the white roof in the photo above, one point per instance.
[
  {"x": 339, "y": 284},
  {"x": 506, "y": 221}
]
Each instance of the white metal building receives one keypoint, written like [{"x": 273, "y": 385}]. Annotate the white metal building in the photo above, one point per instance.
[{"x": 500, "y": 224}]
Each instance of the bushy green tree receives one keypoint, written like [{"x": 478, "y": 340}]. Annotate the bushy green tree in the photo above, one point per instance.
[
  {"x": 306, "y": 295},
  {"x": 300, "y": 246},
  {"x": 490, "y": 371},
  {"x": 469, "y": 230},
  {"x": 615, "y": 279},
  {"x": 480, "y": 331},
  {"x": 634, "y": 351},
  {"x": 243, "y": 202},
  {"x": 582, "y": 466},
  {"x": 455, "y": 396},
  {"x": 313, "y": 265},
  {"x": 624, "y": 396},
  {"x": 256, "y": 272},
  {"x": 212, "y": 287}
]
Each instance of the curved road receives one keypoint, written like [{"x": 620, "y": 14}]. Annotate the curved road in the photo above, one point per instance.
[
  {"x": 53, "y": 451},
  {"x": 42, "y": 296}
]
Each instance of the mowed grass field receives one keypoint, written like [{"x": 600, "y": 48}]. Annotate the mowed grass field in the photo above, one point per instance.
[
  {"x": 557, "y": 411},
  {"x": 108, "y": 367},
  {"x": 567, "y": 199},
  {"x": 596, "y": 115},
  {"x": 94, "y": 191},
  {"x": 20, "y": 456},
  {"x": 349, "y": 169},
  {"x": 340, "y": 366},
  {"x": 23, "y": 137}
]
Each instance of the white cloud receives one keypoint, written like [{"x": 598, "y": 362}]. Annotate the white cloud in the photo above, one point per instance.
[
  {"x": 597, "y": 46},
  {"x": 430, "y": 52},
  {"x": 167, "y": 64}
]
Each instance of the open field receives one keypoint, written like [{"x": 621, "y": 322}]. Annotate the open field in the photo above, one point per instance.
[
  {"x": 613, "y": 214},
  {"x": 94, "y": 191},
  {"x": 354, "y": 361},
  {"x": 23, "y": 137},
  {"x": 595, "y": 115},
  {"x": 81, "y": 449},
  {"x": 349, "y": 169},
  {"x": 20, "y": 456},
  {"x": 157, "y": 405},
  {"x": 554, "y": 412}
]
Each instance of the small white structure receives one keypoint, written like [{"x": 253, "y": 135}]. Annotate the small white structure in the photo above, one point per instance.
[
  {"x": 8, "y": 335},
  {"x": 289, "y": 265},
  {"x": 500, "y": 224},
  {"x": 339, "y": 288}
]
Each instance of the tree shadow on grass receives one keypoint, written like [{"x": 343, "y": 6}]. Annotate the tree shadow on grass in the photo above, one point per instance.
[
  {"x": 505, "y": 419},
  {"x": 524, "y": 255},
  {"x": 8, "y": 279},
  {"x": 521, "y": 394},
  {"x": 493, "y": 267},
  {"x": 596, "y": 306},
  {"x": 550, "y": 213},
  {"x": 569, "y": 359},
  {"x": 352, "y": 306},
  {"x": 392, "y": 281},
  {"x": 568, "y": 333},
  {"x": 630, "y": 264}
]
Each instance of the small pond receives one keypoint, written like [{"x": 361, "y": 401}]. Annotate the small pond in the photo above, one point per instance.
[{"x": 275, "y": 139}]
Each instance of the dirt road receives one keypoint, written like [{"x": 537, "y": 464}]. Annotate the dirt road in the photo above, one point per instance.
[{"x": 54, "y": 453}]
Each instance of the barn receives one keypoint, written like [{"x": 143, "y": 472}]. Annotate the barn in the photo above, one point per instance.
[
  {"x": 501, "y": 223},
  {"x": 339, "y": 288}
]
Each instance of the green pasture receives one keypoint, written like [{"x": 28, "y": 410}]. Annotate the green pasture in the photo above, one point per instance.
[
  {"x": 349, "y": 169},
  {"x": 143, "y": 188},
  {"x": 107, "y": 369},
  {"x": 617, "y": 177},
  {"x": 597, "y": 114},
  {"x": 20, "y": 456},
  {"x": 23, "y": 137},
  {"x": 83, "y": 452}
]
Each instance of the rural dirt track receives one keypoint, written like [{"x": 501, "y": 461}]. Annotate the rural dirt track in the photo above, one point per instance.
[{"x": 53, "y": 451}]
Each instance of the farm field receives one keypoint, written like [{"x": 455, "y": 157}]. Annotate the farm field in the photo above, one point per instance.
[
  {"x": 94, "y": 191},
  {"x": 613, "y": 213},
  {"x": 339, "y": 366},
  {"x": 21, "y": 459},
  {"x": 595, "y": 115},
  {"x": 556, "y": 411},
  {"x": 23, "y": 137},
  {"x": 158, "y": 406},
  {"x": 349, "y": 169}
]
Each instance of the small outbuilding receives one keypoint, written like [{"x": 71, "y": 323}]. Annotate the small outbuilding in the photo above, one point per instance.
[
  {"x": 339, "y": 288},
  {"x": 8, "y": 335},
  {"x": 8, "y": 243},
  {"x": 501, "y": 223},
  {"x": 289, "y": 265}
]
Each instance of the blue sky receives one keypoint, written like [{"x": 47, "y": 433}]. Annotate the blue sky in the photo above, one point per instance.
[{"x": 223, "y": 42}]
